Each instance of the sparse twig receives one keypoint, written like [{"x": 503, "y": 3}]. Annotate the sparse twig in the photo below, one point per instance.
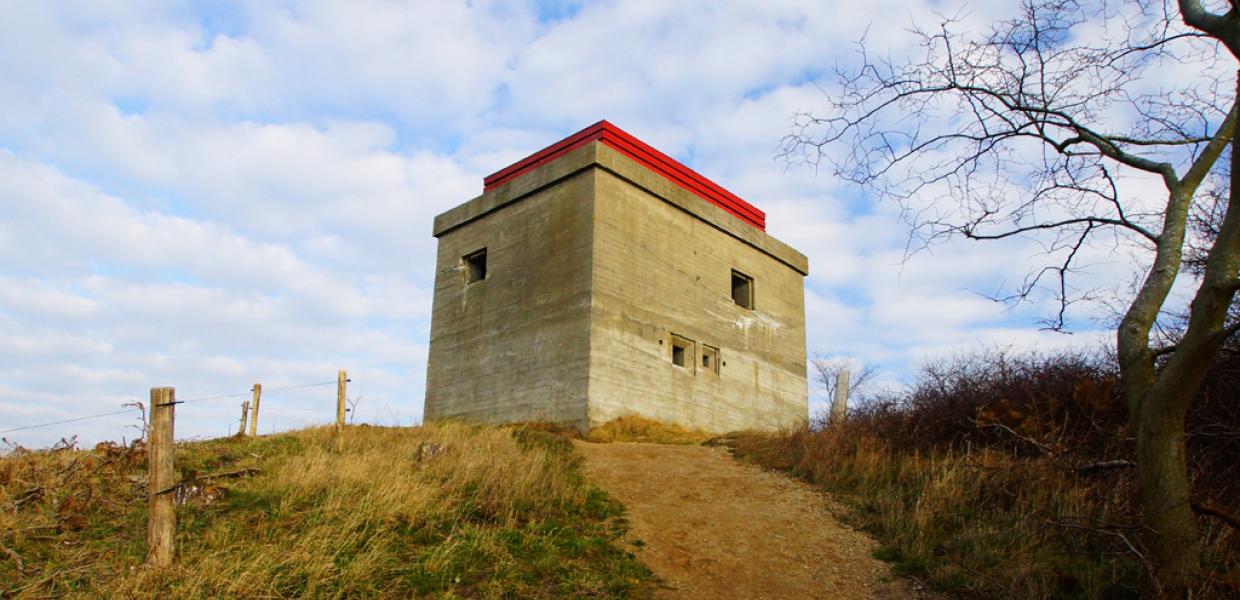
[
  {"x": 352, "y": 410},
  {"x": 1106, "y": 465},
  {"x": 47, "y": 580},
  {"x": 1216, "y": 512},
  {"x": 141, "y": 415},
  {"x": 827, "y": 368},
  {"x": 1046, "y": 450},
  {"x": 30, "y": 494},
  {"x": 15, "y": 557},
  {"x": 69, "y": 443},
  {"x": 1114, "y": 531},
  {"x": 229, "y": 474}
]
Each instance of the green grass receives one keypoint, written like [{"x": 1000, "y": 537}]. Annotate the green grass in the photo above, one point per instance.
[{"x": 499, "y": 513}]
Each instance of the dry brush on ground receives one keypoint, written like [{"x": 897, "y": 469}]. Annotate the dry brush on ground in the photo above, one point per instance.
[
  {"x": 1001, "y": 475},
  {"x": 453, "y": 510},
  {"x": 634, "y": 428}
]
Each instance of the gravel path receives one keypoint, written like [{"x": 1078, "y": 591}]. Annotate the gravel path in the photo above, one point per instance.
[{"x": 712, "y": 527}]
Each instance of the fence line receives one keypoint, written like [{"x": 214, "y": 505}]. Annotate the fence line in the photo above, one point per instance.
[
  {"x": 99, "y": 416},
  {"x": 161, "y": 457},
  {"x": 252, "y": 406},
  {"x": 162, "y": 488},
  {"x": 161, "y": 479},
  {"x": 189, "y": 401},
  {"x": 342, "y": 380}
]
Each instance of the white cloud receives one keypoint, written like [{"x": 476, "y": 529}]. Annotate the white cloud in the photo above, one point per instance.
[
  {"x": 212, "y": 195},
  {"x": 117, "y": 299}
]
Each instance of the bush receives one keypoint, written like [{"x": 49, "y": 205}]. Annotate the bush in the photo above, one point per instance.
[{"x": 1005, "y": 474}]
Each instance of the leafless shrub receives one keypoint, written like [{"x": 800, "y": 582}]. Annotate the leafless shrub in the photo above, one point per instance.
[
  {"x": 828, "y": 368},
  {"x": 1005, "y": 458}
]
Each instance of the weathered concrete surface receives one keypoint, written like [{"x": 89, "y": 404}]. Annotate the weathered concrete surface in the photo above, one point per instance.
[
  {"x": 660, "y": 271},
  {"x": 514, "y": 346},
  {"x": 595, "y": 264},
  {"x": 659, "y": 187}
]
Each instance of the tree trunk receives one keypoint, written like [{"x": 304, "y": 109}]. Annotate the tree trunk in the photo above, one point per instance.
[
  {"x": 1153, "y": 409},
  {"x": 1163, "y": 476},
  {"x": 1163, "y": 409}
]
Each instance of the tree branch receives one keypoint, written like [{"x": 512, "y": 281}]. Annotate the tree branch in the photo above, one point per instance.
[
  {"x": 1220, "y": 27},
  {"x": 1214, "y": 511},
  {"x": 1187, "y": 141},
  {"x": 1106, "y": 465},
  {"x": 970, "y": 232},
  {"x": 1228, "y": 331},
  {"x": 1205, "y": 161}
]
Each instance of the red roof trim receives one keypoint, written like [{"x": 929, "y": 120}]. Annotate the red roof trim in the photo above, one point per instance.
[{"x": 645, "y": 155}]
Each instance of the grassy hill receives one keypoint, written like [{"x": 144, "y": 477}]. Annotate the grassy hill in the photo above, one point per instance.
[{"x": 484, "y": 512}]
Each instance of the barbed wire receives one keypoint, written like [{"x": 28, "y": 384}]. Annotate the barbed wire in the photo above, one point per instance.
[
  {"x": 188, "y": 401},
  {"x": 265, "y": 392},
  {"x": 220, "y": 397},
  {"x": 98, "y": 416}
]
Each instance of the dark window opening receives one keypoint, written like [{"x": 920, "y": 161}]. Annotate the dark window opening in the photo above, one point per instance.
[
  {"x": 682, "y": 352},
  {"x": 710, "y": 359},
  {"x": 475, "y": 266},
  {"x": 742, "y": 289}
]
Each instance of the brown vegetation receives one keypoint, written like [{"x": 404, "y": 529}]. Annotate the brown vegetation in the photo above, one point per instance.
[
  {"x": 1011, "y": 132},
  {"x": 1013, "y": 476},
  {"x": 451, "y": 510},
  {"x": 632, "y": 428}
]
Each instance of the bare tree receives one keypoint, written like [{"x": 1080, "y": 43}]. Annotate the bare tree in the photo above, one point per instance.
[
  {"x": 828, "y": 368},
  {"x": 1079, "y": 125}
]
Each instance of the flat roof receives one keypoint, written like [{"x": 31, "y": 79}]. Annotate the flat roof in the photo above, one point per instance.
[
  {"x": 605, "y": 158},
  {"x": 643, "y": 154}
]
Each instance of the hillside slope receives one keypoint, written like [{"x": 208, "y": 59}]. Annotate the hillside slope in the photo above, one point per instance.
[
  {"x": 712, "y": 527},
  {"x": 484, "y": 513}
]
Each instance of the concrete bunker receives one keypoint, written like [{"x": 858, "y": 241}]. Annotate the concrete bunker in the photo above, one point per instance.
[{"x": 616, "y": 280}]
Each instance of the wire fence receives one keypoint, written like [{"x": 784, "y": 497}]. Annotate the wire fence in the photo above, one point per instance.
[
  {"x": 138, "y": 409},
  {"x": 164, "y": 489}
]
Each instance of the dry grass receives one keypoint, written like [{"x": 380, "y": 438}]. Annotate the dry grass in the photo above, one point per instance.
[
  {"x": 985, "y": 479},
  {"x": 561, "y": 430},
  {"x": 985, "y": 523},
  {"x": 632, "y": 428},
  {"x": 489, "y": 513}
]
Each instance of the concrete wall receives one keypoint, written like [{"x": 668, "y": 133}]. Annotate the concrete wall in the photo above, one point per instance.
[
  {"x": 594, "y": 264},
  {"x": 514, "y": 346},
  {"x": 661, "y": 270}
]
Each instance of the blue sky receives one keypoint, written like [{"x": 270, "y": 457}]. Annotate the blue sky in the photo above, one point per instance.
[{"x": 212, "y": 194}]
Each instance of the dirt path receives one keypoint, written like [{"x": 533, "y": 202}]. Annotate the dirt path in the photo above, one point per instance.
[{"x": 715, "y": 528}]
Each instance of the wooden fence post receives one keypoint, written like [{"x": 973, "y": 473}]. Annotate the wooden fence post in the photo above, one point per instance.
[
  {"x": 839, "y": 408},
  {"x": 258, "y": 395},
  {"x": 342, "y": 378},
  {"x": 245, "y": 413},
  {"x": 161, "y": 496}
]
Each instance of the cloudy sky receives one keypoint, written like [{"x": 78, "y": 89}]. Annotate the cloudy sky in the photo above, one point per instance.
[{"x": 211, "y": 194}]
